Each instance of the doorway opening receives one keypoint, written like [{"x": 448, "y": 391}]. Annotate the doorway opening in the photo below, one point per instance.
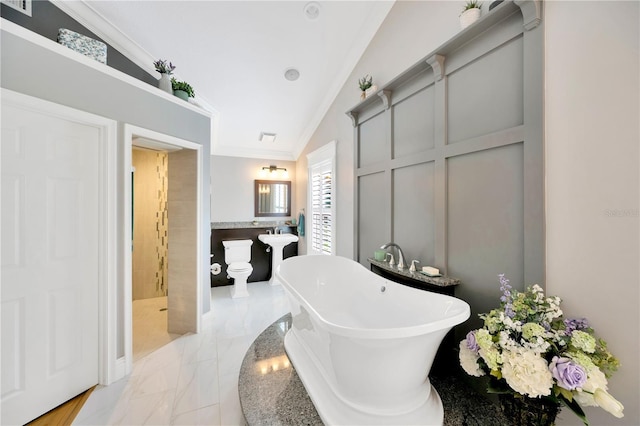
[
  {"x": 149, "y": 258},
  {"x": 162, "y": 222}
]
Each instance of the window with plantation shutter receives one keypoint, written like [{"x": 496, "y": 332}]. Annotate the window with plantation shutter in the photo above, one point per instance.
[{"x": 321, "y": 201}]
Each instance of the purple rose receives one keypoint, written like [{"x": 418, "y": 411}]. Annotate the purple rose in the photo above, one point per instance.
[
  {"x": 472, "y": 345},
  {"x": 568, "y": 374}
]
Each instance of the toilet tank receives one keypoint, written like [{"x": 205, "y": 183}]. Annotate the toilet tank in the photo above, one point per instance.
[{"x": 237, "y": 251}]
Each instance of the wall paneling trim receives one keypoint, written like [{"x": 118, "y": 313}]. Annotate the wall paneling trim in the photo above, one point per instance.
[{"x": 449, "y": 158}]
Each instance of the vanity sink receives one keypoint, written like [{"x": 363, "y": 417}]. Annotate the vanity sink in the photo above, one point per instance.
[
  {"x": 278, "y": 240},
  {"x": 277, "y": 243}
]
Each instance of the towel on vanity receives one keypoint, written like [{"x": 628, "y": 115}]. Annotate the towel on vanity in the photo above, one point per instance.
[{"x": 301, "y": 224}]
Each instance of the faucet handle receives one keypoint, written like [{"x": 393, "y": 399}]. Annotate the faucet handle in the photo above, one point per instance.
[
  {"x": 391, "y": 261},
  {"x": 412, "y": 268}
]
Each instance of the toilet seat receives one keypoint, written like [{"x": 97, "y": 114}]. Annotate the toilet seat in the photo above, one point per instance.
[{"x": 239, "y": 267}]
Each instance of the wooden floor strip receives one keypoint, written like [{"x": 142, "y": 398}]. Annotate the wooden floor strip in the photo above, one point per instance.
[{"x": 64, "y": 414}]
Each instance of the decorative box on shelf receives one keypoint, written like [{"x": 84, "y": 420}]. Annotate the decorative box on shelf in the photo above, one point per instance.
[{"x": 94, "y": 49}]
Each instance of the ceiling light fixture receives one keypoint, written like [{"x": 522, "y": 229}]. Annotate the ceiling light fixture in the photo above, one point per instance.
[
  {"x": 267, "y": 137},
  {"x": 312, "y": 10},
  {"x": 291, "y": 74}
]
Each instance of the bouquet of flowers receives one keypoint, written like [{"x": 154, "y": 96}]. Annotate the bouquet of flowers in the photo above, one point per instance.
[{"x": 528, "y": 348}]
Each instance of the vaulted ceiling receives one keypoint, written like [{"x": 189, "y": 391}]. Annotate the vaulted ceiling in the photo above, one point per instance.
[{"x": 235, "y": 54}]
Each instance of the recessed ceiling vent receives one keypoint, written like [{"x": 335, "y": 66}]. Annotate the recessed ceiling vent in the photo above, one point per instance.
[
  {"x": 312, "y": 10},
  {"x": 23, "y": 6},
  {"x": 267, "y": 137},
  {"x": 291, "y": 74}
]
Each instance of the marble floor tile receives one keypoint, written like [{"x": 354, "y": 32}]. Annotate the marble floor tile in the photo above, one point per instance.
[
  {"x": 192, "y": 379},
  {"x": 230, "y": 409},
  {"x": 197, "y": 387},
  {"x": 231, "y": 351},
  {"x": 204, "y": 416},
  {"x": 149, "y": 319}
]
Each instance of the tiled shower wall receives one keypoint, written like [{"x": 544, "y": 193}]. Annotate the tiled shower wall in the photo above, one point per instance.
[{"x": 150, "y": 222}]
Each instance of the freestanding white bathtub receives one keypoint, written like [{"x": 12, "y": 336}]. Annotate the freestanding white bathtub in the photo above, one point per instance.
[{"x": 363, "y": 345}]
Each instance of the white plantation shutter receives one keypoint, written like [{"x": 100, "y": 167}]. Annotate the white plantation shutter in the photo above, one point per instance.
[
  {"x": 321, "y": 200},
  {"x": 321, "y": 210}
]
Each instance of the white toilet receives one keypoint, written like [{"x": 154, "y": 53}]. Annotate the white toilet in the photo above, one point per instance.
[{"x": 237, "y": 255}]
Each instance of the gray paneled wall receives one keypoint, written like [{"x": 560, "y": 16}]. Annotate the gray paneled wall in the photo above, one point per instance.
[
  {"x": 449, "y": 164},
  {"x": 413, "y": 211}
]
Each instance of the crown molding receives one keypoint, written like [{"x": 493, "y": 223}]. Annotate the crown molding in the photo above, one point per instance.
[
  {"x": 86, "y": 15},
  {"x": 82, "y": 12},
  {"x": 45, "y": 43},
  {"x": 263, "y": 154}
]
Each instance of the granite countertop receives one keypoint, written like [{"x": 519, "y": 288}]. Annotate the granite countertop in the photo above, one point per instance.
[
  {"x": 257, "y": 224},
  {"x": 271, "y": 392},
  {"x": 419, "y": 276}
]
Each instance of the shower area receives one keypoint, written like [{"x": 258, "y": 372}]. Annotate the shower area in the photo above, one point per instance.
[{"x": 150, "y": 284}]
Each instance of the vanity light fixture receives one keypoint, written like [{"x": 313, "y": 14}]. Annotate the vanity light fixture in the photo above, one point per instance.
[
  {"x": 273, "y": 169},
  {"x": 267, "y": 137}
]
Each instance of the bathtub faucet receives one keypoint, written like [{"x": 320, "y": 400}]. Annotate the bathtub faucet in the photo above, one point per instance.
[{"x": 400, "y": 254}]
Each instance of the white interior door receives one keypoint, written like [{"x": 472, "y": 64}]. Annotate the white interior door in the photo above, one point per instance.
[{"x": 50, "y": 261}]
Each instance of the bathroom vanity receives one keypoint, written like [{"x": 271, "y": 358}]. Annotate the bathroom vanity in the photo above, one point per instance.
[
  {"x": 261, "y": 253},
  {"x": 442, "y": 284}
]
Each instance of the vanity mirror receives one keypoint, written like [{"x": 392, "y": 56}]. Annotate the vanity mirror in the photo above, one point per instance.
[{"x": 272, "y": 198}]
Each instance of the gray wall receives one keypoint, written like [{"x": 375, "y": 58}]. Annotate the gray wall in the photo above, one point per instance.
[
  {"x": 591, "y": 160},
  {"x": 410, "y": 31},
  {"x": 232, "y": 187},
  {"x": 443, "y": 171},
  {"x": 33, "y": 70}
]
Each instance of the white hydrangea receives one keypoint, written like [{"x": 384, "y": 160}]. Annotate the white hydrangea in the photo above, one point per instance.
[
  {"x": 483, "y": 339},
  {"x": 491, "y": 357},
  {"x": 531, "y": 330},
  {"x": 469, "y": 360},
  {"x": 505, "y": 341},
  {"x": 583, "y": 341},
  {"x": 527, "y": 373}
]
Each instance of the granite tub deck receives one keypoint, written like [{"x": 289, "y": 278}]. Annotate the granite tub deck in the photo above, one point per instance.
[{"x": 271, "y": 392}]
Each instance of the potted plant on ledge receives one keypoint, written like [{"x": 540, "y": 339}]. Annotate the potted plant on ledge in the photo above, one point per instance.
[
  {"x": 365, "y": 83},
  {"x": 537, "y": 360},
  {"x": 165, "y": 69},
  {"x": 470, "y": 13},
  {"x": 182, "y": 89}
]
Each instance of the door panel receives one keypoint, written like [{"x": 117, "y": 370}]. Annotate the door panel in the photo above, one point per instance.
[{"x": 50, "y": 261}]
